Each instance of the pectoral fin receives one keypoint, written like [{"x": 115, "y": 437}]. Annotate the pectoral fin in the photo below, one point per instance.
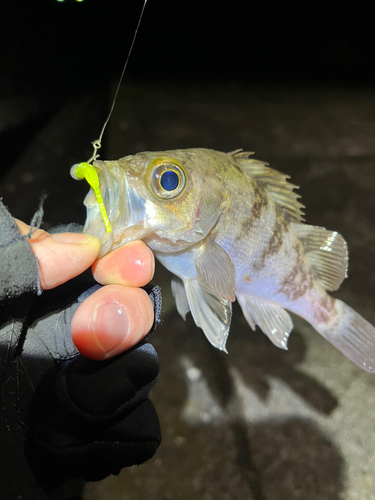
[
  {"x": 272, "y": 319},
  {"x": 210, "y": 312},
  {"x": 215, "y": 268},
  {"x": 178, "y": 292}
]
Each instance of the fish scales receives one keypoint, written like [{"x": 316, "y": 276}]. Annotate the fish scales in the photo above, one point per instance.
[
  {"x": 268, "y": 256},
  {"x": 229, "y": 227}
]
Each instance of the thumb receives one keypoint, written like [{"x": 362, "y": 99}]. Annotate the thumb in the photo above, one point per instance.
[{"x": 61, "y": 256}]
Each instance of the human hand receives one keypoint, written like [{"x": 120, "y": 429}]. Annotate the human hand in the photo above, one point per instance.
[{"x": 114, "y": 318}]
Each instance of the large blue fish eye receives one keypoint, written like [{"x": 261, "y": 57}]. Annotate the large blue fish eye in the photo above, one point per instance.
[
  {"x": 166, "y": 177},
  {"x": 169, "y": 180}
]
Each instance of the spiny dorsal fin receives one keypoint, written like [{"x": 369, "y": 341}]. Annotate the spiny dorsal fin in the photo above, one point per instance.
[
  {"x": 240, "y": 153},
  {"x": 275, "y": 183}
]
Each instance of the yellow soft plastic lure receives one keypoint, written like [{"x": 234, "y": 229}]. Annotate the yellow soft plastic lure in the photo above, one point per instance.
[{"x": 86, "y": 171}]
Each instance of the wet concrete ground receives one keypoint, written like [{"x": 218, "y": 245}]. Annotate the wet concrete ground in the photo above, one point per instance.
[{"x": 259, "y": 423}]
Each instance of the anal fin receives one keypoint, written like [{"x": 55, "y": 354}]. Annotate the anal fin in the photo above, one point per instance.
[
  {"x": 271, "y": 318},
  {"x": 210, "y": 312}
]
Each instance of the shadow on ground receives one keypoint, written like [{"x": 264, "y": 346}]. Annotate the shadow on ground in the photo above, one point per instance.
[{"x": 228, "y": 457}]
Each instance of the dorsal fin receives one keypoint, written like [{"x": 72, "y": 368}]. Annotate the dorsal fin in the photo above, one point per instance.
[
  {"x": 240, "y": 153},
  {"x": 275, "y": 183},
  {"x": 327, "y": 253}
]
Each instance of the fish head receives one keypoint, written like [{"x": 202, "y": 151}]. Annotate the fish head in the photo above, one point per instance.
[{"x": 170, "y": 199}]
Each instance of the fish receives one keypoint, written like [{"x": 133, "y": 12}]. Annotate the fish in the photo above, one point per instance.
[{"x": 228, "y": 226}]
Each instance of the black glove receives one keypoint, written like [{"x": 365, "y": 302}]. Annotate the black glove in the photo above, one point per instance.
[
  {"x": 79, "y": 418},
  {"x": 90, "y": 419},
  {"x": 73, "y": 417}
]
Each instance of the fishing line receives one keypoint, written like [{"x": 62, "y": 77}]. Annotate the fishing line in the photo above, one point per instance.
[
  {"x": 85, "y": 170},
  {"x": 97, "y": 144}
]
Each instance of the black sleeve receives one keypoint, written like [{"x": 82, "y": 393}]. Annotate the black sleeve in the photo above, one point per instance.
[{"x": 18, "y": 266}]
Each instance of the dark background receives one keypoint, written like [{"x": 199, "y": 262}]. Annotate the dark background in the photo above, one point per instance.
[
  {"x": 74, "y": 46},
  {"x": 52, "y": 52}
]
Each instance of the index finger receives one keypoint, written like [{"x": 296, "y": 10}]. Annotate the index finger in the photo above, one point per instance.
[
  {"x": 61, "y": 256},
  {"x": 132, "y": 265}
]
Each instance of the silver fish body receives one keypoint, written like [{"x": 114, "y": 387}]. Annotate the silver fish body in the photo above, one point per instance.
[{"x": 231, "y": 227}]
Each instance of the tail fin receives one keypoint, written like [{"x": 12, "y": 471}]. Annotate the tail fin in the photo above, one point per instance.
[{"x": 352, "y": 335}]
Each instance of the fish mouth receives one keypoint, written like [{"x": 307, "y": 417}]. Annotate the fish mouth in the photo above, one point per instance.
[{"x": 124, "y": 208}]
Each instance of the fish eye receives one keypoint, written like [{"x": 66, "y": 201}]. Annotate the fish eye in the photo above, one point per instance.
[
  {"x": 166, "y": 178},
  {"x": 169, "y": 180}
]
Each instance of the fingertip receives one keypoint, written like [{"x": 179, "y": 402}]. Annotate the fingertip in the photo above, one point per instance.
[
  {"x": 111, "y": 321},
  {"x": 132, "y": 265},
  {"x": 94, "y": 244},
  {"x": 87, "y": 241},
  {"x": 62, "y": 256}
]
